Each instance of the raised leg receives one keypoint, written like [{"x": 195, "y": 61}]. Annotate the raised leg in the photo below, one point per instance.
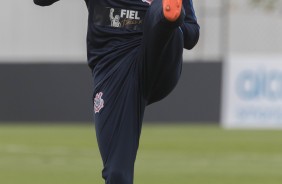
[{"x": 162, "y": 48}]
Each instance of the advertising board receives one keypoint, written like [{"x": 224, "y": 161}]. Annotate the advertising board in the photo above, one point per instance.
[{"x": 252, "y": 92}]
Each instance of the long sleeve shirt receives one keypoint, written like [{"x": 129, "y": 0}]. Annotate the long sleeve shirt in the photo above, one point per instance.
[{"x": 106, "y": 15}]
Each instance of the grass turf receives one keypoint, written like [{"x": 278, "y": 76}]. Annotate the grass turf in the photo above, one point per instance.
[{"x": 168, "y": 154}]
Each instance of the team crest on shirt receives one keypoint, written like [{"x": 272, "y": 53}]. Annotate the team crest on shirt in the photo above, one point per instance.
[
  {"x": 98, "y": 102},
  {"x": 147, "y": 1}
]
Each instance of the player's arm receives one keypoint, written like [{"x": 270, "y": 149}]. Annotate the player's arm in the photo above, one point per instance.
[
  {"x": 44, "y": 2},
  {"x": 190, "y": 28}
]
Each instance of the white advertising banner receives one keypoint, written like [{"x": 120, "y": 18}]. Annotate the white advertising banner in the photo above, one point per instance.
[{"x": 252, "y": 92}]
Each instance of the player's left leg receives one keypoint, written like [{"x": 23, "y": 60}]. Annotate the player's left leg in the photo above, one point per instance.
[
  {"x": 164, "y": 75},
  {"x": 162, "y": 48}
]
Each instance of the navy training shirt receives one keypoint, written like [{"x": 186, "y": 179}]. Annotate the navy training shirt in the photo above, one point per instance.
[
  {"x": 117, "y": 24},
  {"x": 113, "y": 24}
]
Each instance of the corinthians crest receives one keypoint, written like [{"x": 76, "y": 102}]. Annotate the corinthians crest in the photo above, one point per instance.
[
  {"x": 98, "y": 102},
  {"x": 147, "y": 1}
]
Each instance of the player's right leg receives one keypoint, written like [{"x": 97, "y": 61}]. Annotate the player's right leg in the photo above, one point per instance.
[{"x": 118, "y": 107}]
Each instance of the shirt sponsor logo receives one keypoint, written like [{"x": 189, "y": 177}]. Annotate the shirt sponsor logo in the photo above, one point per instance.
[
  {"x": 118, "y": 18},
  {"x": 124, "y": 17}
]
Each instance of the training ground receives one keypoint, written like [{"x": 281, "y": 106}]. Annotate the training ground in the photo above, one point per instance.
[{"x": 168, "y": 154}]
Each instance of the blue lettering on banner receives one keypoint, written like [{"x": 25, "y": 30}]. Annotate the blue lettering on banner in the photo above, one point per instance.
[
  {"x": 259, "y": 84},
  {"x": 259, "y": 114}
]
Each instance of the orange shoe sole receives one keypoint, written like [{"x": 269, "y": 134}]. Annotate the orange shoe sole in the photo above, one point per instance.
[{"x": 172, "y": 9}]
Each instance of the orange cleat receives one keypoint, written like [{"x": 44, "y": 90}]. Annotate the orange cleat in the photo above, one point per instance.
[{"x": 172, "y": 9}]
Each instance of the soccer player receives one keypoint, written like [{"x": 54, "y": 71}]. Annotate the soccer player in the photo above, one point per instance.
[{"x": 135, "y": 53}]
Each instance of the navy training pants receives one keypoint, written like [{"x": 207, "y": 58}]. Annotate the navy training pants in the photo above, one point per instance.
[{"x": 137, "y": 75}]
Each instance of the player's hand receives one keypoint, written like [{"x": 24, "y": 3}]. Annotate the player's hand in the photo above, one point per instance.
[
  {"x": 44, "y": 2},
  {"x": 112, "y": 10}
]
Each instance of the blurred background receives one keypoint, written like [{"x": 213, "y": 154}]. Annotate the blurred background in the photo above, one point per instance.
[
  {"x": 44, "y": 75},
  {"x": 231, "y": 80}
]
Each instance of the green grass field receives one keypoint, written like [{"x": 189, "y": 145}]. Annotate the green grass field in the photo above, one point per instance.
[{"x": 168, "y": 154}]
